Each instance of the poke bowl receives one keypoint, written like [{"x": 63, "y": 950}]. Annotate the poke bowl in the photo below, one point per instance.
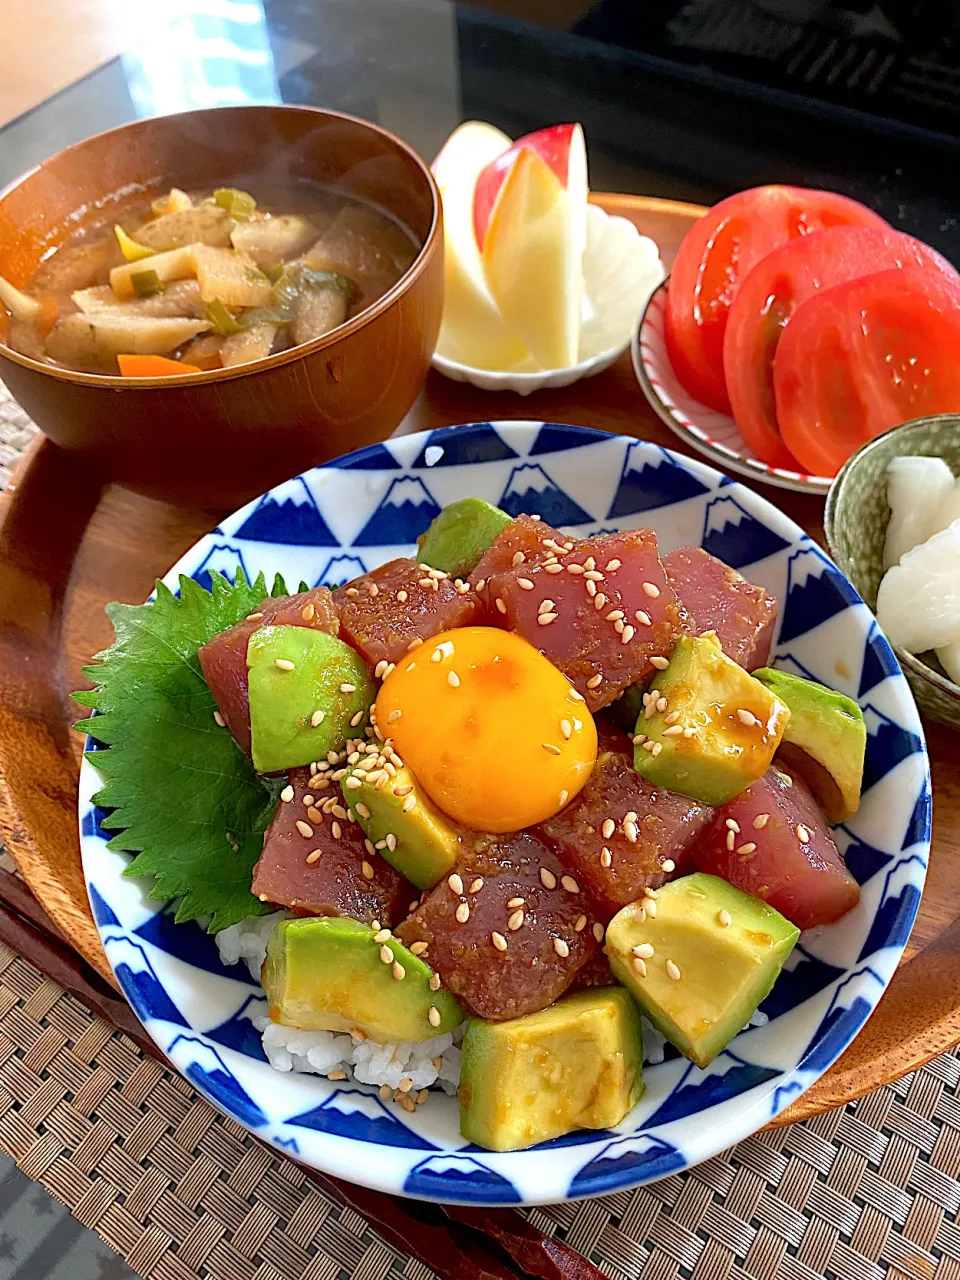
[
  {"x": 126, "y": 248},
  {"x": 336, "y": 525}
]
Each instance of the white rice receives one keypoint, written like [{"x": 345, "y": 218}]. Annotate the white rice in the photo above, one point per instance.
[{"x": 322, "y": 1052}]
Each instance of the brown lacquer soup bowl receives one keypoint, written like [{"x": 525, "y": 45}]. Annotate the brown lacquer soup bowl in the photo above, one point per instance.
[{"x": 218, "y": 437}]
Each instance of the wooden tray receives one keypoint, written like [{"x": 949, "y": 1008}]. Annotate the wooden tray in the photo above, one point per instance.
[{"x": 68, "y": 545}]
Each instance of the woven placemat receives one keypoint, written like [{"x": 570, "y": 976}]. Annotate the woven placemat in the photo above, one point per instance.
[{"x": 868, "y": 1192}]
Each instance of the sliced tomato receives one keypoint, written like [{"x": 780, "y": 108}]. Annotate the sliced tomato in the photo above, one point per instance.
[
  {"x": 716, "y": 254},
  {"x": 863, "y": 357},
  {"x": 770, "y": 294}
]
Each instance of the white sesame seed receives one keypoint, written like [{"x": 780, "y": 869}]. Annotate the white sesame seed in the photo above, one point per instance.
[
  {"x": 515, "y": 921},
  {"x": 630, "y": 831},
  {"x": 455, "y": 883},
  {"x": 674, "y": 731},
  {"x": 286, "y": 795},
  {"x": 747, "y": 718},
  {"x": 598, "y": 931},
  {"x": 219, "y": 720},
  {"x": 394, "y": 716},
  {"x": 479, "y": 584},
  {"x": 434, "y": 982},
  {"x": 638, "y": 739},
  {"x": 608, "y": 828},
  {"x": 628, "y": 634},
  {"x": 553, "y": 568},
  {"x": 731, "y": 840},
  {"x": 549, "y": 746},
  {"x": 618, "y": 626},
  {"x": 562, "y": 797},
  {"x": 399, "y": 972},
  {"x": 803, "y": 835},
  {"x": 760, "y": 821},
  {"x": 415, "y": 643},
  {"x": 353, "y": 783},
  {"x": 746, "y": 849},
  {"x": 453, "y": 680},
  {"x": 650, "y": 589},
  {"x": 381, "y": 935},
  {"x": 313, "y": 857},
  {"x": 515, "y": 902},
  {"x": 650, "y": 906},
  {"x": 425, "y": 582},
  {"x": 254, "y": 617},
  {"x": 606, "y": 857},
  {"x": 546, "y": 605},
  {"x": 660, "y": 663},
  {"x": 501, "y": 606},
  {"x": 672, "y": 971},
  {"x": 612, "y": 566},
  {"x": 304, "y": 828},
  {"x": 644, "y": 950},
  {"x": 643, "y": 618},
  {"x": 662, "y": 704},
  {"x": 580, "y": 925},
  {"x": 672, "y": 718},
  {"x": 591, "y": 588},
  {"x": 348, "y": 688},
  {"x": 284, "y": 664},
  {"x": 518, "y": 558},
  {"x": 386, "y": 955},
  {"x": 546, "y": 618},
  {"x": 525, "y": 584},
  {"x": 639, "y": 966},
  {"x": 433, "y": 1016},
  {"x": 595, "y": 681},
  {"x": 391, "y": 840},
  {"x": 591, "y": 575},
  {"x": 561, "y": 948},
  {"x": 499, "y": 941},
  {"x": 723, "y": 918},
  {"x": 569, "y": 884},
  {"x": 575, "y": 569},
  {"x": 373, "y": 589},
  {"x": 462, "y": 913},
  {"x": 656, "y": 749},
  {"x": 336, "y": 830},
  {"x": 408, "y": 804},
  {"x": 476, "y": 885},
  {"x": 355, "y": 720},
  {"x": 576, "y": 695},
  {"x": 566, "y": 729},
  {"x": 614, "y": 615},
  {"x": 352, "y": 592},
  {"x": 367, "y": 870},
  {"x": 733, "y": 825},
  {"x": 547, "y": 878}
]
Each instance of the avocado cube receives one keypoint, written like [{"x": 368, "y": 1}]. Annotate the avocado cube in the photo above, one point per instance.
[
  {"x": 709, "y": 729},
  {"x": 700, "y": 967},
  {"x": 328, "y": 973},
  {"x": 576, "y": 1065},
  {"x": 404, "y": 824},
  {"x": 308, "y": 692},
  {"x": 825, "y": 740},
  {"x": 460, "y": 535}
]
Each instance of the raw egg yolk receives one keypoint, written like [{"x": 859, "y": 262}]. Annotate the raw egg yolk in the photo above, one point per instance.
[{"x": 495, "y": 734}]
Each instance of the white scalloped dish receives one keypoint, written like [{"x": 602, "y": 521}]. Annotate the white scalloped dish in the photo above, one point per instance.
[{"x": 621, "y": 269}]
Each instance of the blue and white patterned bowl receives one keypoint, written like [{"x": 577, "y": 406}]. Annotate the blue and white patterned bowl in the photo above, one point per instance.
[{"x": 368, "y": 507}]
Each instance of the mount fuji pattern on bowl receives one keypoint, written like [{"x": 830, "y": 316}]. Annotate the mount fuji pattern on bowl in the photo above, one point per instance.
[
  {"x": 712, "y": 433},
  {"x": 368, "y": 507}
]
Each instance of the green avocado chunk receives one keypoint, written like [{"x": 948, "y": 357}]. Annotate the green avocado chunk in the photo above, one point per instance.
[
  {"x": 460, "y": 535},
  {"x": 295, "y": 673},
  {"x": 824, "y": 741},
  {"x": 699, "y": 968},
  {"x": 425, "y": 844},
  {"x": 575, "y": 1065},
  {"x": 709, "y": 729},
  {"x": 327, "y": 973}
]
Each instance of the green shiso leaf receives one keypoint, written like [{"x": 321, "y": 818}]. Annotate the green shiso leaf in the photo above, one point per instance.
[{"x": 185, "y": 799}]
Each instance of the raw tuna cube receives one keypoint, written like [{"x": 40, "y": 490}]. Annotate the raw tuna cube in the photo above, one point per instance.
[
  {"x": 610, "y": 611},
  {"x": 495, "y": 970},
  {"x": 386, "y": 612},
  {"x": 780, "y": 849},
  {"x": 531, "y": 539},
  {"x": 333, "y": 884},
  {"x": 717, "y": 597},
  {"x": 653, "y": 833},
  {"x": 223, "y": 660}
]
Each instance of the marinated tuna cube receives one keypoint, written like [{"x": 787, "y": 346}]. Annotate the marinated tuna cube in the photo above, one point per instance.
[
  {"x": 600, "y": 612},
  {"x": 525, "y": 541},
  {"x": 385, "y": 613},
  {"x": 595, "y": 973},
  {"x": 718, "y": 598},
  {"x": 772, "y": 841},
  {"x": 223, "y": 660},
  {"x": 621, "y": 834},
  {"x": 509, "y": 930},
  {"x": 316, "y": 861}
]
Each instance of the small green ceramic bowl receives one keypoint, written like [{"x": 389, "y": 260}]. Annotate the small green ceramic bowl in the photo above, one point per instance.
[{"x": 855, "y": 523}]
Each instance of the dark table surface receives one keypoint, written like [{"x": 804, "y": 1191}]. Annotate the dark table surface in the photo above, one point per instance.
[{"x": 660, "y": 118}]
